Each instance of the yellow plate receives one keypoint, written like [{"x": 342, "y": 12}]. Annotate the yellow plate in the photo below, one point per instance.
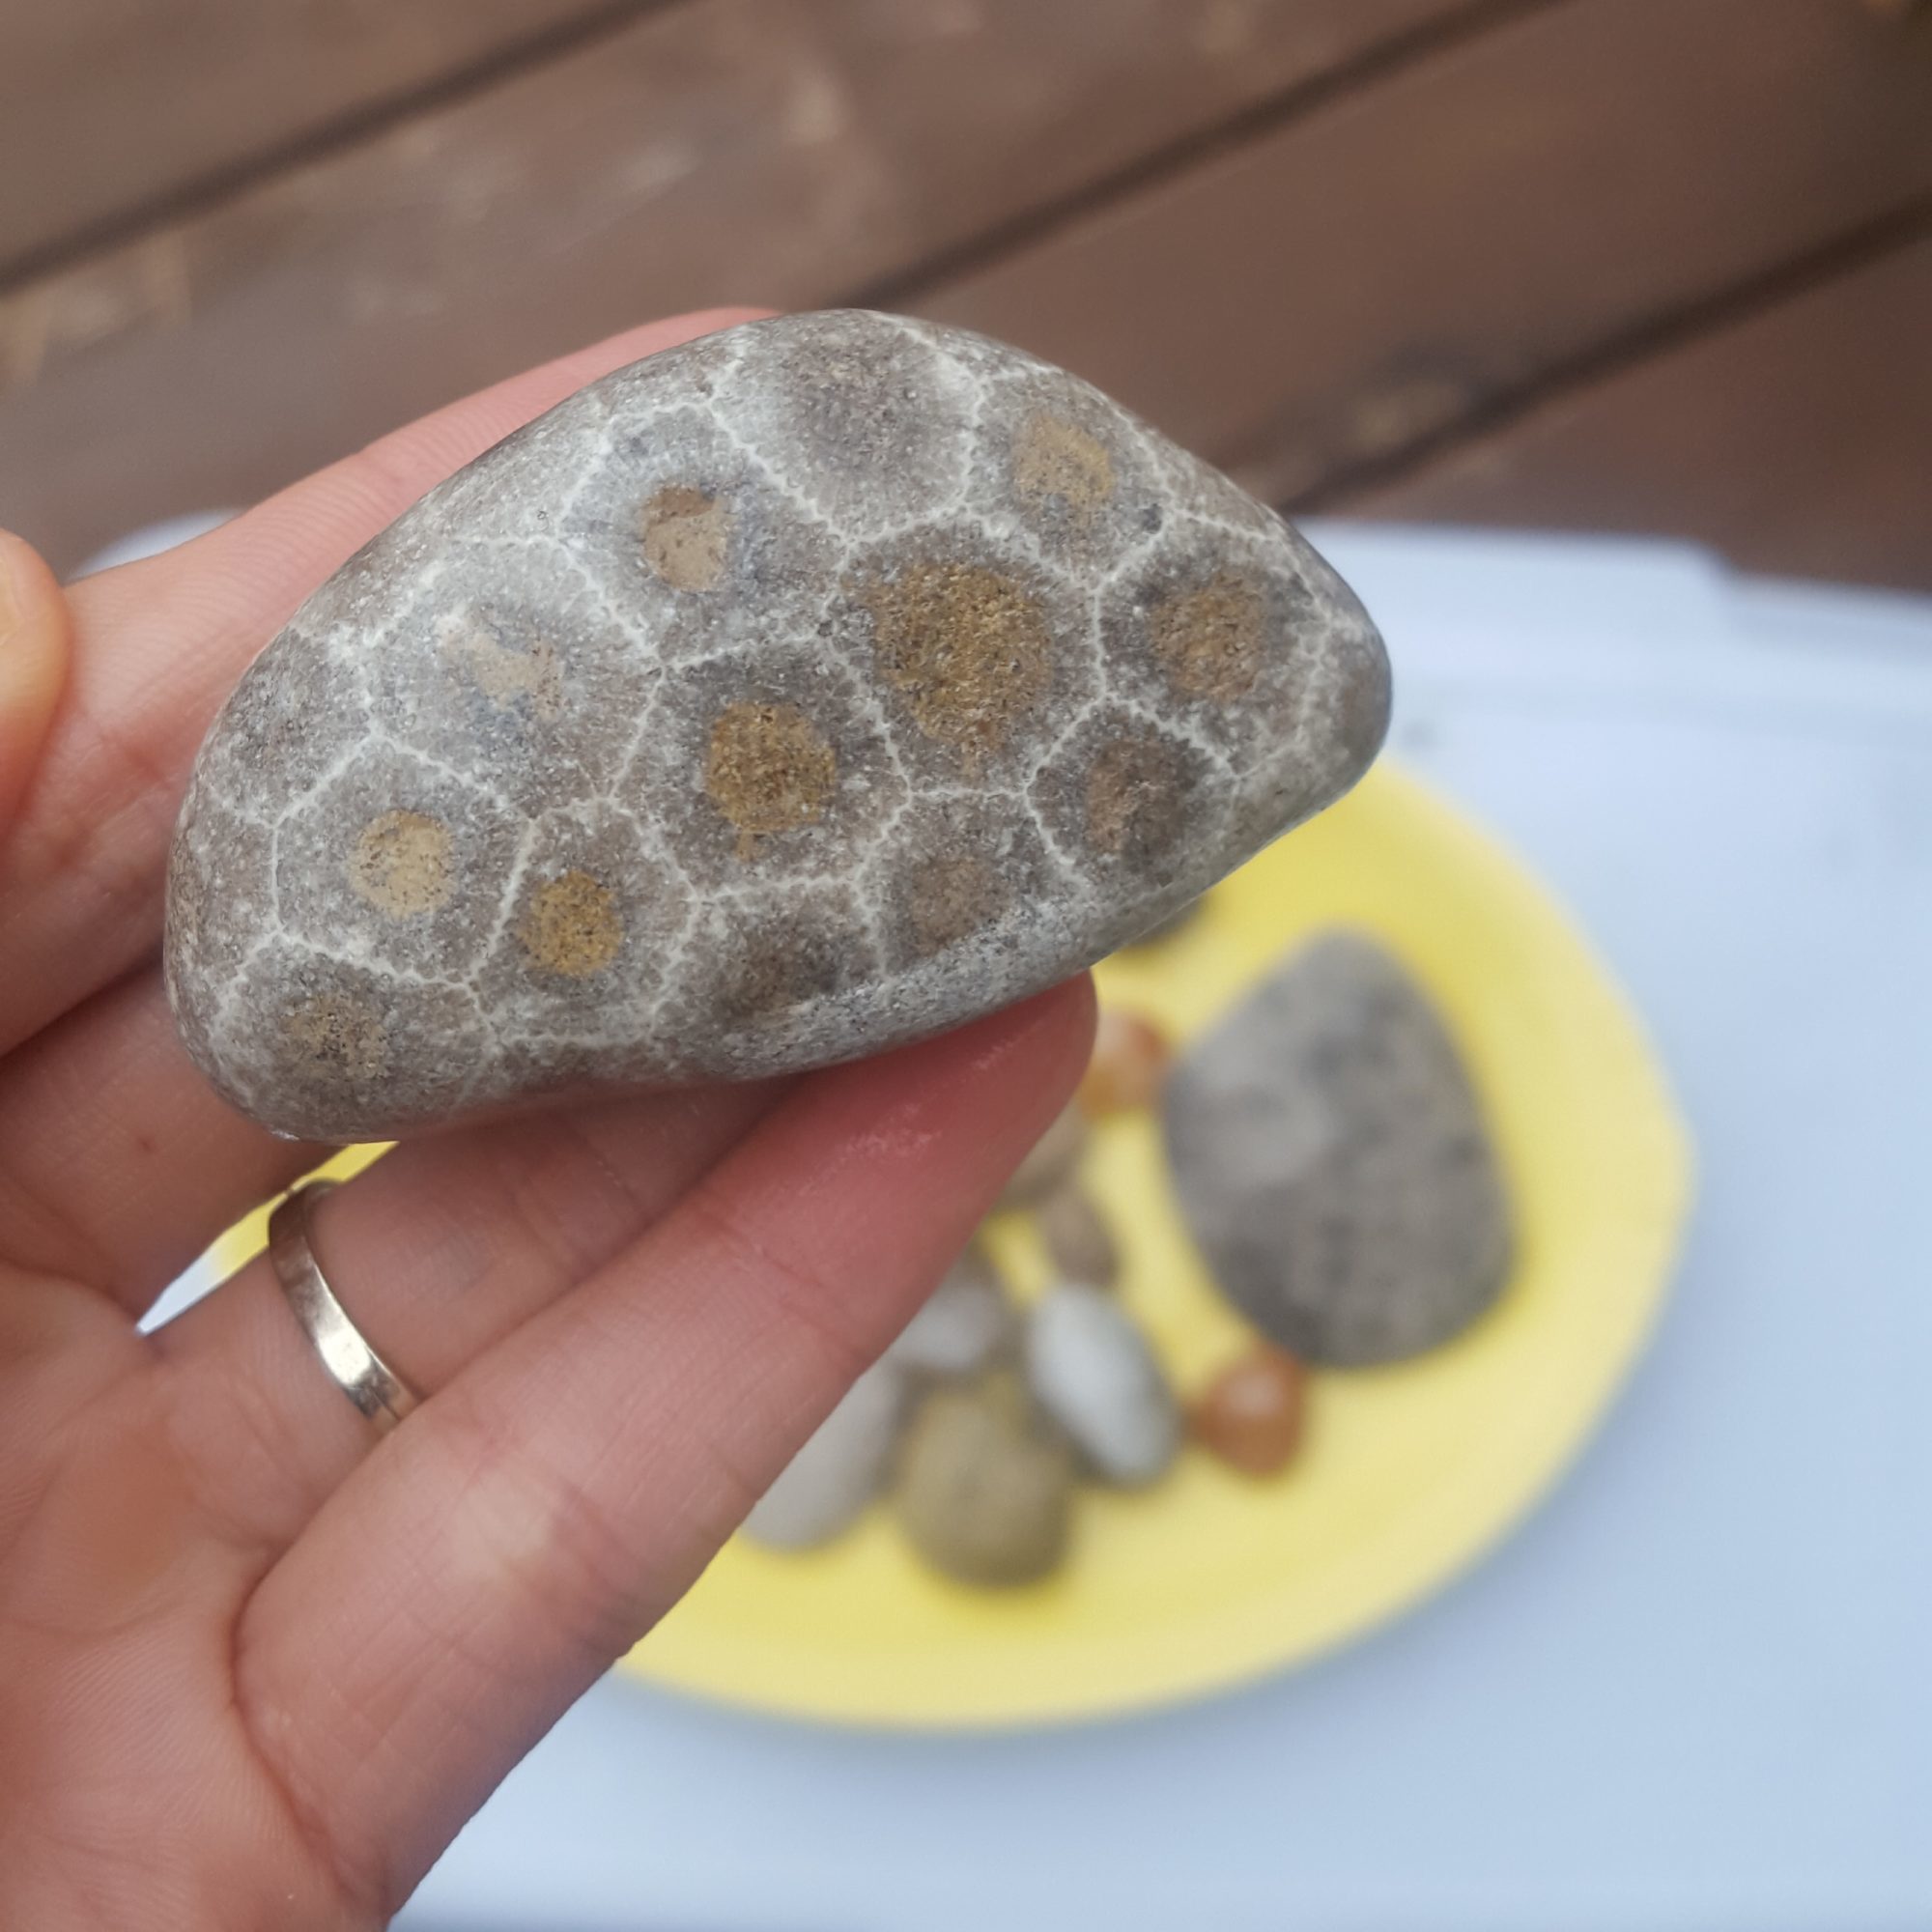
[{"x": 1409, "y": 1473}]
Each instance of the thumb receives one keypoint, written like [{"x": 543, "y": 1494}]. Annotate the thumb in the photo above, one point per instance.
[{"x": 35, "y": 635}]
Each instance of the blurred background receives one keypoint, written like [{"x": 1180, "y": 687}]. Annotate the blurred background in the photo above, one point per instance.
[
  {"x": 1656, "y": 271},
  {"x": 1636, "y": 264}
]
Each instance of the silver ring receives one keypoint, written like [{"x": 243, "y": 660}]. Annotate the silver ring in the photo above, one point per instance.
[{"x": 359, "y": 1372}]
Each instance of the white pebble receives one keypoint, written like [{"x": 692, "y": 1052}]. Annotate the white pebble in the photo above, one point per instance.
[{"x": 1092, "y": 1371}]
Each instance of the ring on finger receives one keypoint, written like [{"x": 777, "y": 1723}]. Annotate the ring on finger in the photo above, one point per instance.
[{"x": 354, "y": 1367}]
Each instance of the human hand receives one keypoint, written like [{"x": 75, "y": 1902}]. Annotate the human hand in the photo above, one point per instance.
[{"x": 254, "y": 1669}]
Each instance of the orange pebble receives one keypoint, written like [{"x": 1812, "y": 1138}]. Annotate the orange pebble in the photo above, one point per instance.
[
  {"x": 1251, "y": 1414},
  {"x": 1130, "y": 1056}
]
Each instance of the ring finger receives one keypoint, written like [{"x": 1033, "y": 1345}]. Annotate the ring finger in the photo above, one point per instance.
[{"x": 438, "y": 1251}]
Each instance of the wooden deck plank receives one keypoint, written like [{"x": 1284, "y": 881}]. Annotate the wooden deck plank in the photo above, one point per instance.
[
  {"x": 1798, "y": 440},
  {"x": 1378, "y": 273},
  {"x": 728, "y": 151},
  {"x": 110, "y": 104}
]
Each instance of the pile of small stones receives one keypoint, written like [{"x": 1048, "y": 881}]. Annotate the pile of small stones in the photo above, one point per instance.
[
  {"x": 1329, "y": 1156},
  {"x": 984, "y": 1419}
]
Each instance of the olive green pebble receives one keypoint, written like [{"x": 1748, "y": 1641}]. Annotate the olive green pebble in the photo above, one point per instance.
[{"x": 985, "y": 1488}]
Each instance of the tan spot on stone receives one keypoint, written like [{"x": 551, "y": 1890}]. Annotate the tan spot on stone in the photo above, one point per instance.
[
  {"x": 967, "y": 646},
  {"x": 1136, "y": 799},
  {"x": 572, "y": 926},
  {"x": 1055, "y": 458},
  {"x": 1211, "y": 640},
  {"x": 769, "y": 770},
  {"x": 685, "y": 535},
  {"x": 401, "y": 863},
  {"x": 338, "y": 1035},
  {"x": 502, "y": 674},
  {"x": 950, "y": 898}
]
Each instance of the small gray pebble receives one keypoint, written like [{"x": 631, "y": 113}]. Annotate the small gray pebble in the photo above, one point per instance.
[
  {"x": 1330, "y": 1157},
  {"x": 1091, "y": 1369},
  {"x": 840, "y": 1468},
  {"x": 966, "y": 1323},
  {"x": 807, "y": 689},
  {"x": 1078, "y": 1240}
]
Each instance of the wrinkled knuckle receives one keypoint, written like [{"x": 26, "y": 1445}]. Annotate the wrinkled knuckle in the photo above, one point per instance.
[
  {"x": 539, "y": 1540},
  {"x": 248, "y": 1469},
  {"x": 41, "y": 1231},
  {"x": 804, "y": 1300},
  {"x": 572, "y": 1206},
  {"x": 712, "y": 1507},
  {"x": 102, "y": 815}
]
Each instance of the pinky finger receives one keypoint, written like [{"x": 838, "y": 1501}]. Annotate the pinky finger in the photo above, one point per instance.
[{"x": 35, "y": 635}]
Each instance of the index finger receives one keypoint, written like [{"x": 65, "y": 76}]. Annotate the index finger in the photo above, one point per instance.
[{"x": 156, "y": 646}]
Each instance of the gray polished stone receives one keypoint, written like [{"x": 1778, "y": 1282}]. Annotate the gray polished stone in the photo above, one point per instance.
[
  {"x": 808, "y": 688},
  {"x": 1330, "y": 1157}
]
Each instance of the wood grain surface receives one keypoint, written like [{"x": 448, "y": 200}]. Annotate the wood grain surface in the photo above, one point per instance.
[
  {"x": 108, "y": 105},
  {"x": 1368, "y": 277},
  {"x": 1637, "y": 264},
  {"x": 733, "y": 151},
  {"x": 1797, "y": 440}
]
